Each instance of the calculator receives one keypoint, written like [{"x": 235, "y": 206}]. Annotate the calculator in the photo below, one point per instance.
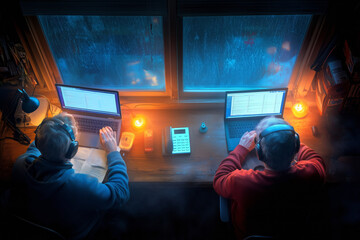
[{"x": 181, "y": 140}]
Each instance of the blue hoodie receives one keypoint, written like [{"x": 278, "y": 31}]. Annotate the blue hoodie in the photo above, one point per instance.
[{"x": 52, "y": 194}]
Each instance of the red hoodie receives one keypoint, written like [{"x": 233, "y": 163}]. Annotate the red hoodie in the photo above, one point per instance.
[{"x": 265, "y": 201}]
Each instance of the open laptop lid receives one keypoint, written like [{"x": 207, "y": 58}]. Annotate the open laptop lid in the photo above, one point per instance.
[
  {"x": 255, "y": 103},
  {"x": 89, "y": 101}
]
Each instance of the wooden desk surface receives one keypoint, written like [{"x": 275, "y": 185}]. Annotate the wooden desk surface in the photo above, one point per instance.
[{"x": 207, "y": 149}]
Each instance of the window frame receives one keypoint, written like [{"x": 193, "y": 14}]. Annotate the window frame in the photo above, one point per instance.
[
  {"x": 46, "y": 61},
  {"x": 172, "y": 12},
  {"x": 122, "y": 92},
  {"x": 197, "y": 8}
]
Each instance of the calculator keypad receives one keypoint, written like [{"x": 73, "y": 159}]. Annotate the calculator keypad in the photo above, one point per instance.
[{"x": 181, "y": 140}]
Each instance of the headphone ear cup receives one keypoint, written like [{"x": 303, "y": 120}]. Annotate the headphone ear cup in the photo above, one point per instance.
[
  {"x": 36, "y": 132},
  {"x": 297, "y": 142},
  {"x": 73, "y": 148},
  {"x": 36, "y": 142},
  {"x": 259, "y": 151}
]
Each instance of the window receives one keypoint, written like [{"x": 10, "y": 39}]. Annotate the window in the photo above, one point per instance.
[
  {"x": 114, "y": 52},
  {"x": 240, "y": 52},
  {"x": 175, "y": 50}
]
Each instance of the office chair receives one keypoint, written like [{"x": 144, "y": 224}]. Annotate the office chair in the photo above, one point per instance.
[
  {"x": 225, "y": 216},
  {"x": 25, "y": 229},
  {"x": 225, "y": 213},
  {"x": 257, "y": 237}
]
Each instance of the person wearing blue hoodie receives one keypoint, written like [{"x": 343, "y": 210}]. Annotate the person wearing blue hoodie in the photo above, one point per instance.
[{"x": 46, "y": 190}]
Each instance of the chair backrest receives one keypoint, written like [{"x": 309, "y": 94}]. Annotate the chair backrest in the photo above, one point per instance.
[
  {"x": 225, "y": 216},
  {"x": 258, "y": 237},
  {"x": 30, "y": 230},
  {"x": 225, "y": 209}
]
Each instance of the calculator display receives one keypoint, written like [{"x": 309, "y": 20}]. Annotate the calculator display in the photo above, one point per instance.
[{"x": 179, "y": 131}]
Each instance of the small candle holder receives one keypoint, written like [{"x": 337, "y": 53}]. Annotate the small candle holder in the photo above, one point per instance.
[{"x": 300, "y": 109}]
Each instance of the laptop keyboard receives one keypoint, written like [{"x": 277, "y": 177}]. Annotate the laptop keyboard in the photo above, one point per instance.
[
  {"x": 93, "y": 126},
  {"x": 237, "y": 129}
]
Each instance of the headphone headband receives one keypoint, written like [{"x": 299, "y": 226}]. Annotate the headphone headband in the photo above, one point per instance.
[
  {"x": 276, "y": 128},
  {"x": 273, "y": 129}
]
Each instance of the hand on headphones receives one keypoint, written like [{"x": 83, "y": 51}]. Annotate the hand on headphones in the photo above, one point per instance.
[
  {"x": 247, "y": 140},
  {"x": 108, "y": 139}
]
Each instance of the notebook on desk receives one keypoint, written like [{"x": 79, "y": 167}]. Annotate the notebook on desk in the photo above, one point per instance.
[
  {"x": 245, "y": 109},
  {"x": 92, "y": 109}
]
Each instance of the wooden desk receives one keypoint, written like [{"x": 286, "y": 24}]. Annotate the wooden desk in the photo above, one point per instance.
[
  {"x": 207, "y": 149},
  {"x": 10, "y": 150},
  {"x": 303, "y": 127}
]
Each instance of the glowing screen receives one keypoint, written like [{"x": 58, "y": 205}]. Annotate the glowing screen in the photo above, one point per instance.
[
  {"x": 251, "y": 104},
  {"x": 89, "y": 100}
]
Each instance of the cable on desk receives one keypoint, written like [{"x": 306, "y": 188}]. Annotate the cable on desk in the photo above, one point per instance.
[
  {"x": 8, "y": 138},
  {"x": 136, "y": 105},
  {"x": 21, "y": 141}
]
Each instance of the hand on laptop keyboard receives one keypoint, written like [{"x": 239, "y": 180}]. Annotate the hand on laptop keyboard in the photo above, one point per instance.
[
  {"x": 247, "y": 140},
  {"x": 108, "y": 139}
]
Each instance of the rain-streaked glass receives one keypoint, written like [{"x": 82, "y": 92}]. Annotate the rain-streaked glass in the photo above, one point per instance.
[
  {"x": 241, "y": 52},
  {"x": 114, "y": 52}
]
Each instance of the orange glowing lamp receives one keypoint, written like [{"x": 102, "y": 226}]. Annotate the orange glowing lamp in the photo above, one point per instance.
[
  {"x": 300, "y": 109},
  {"x": 138, "y": 122}
]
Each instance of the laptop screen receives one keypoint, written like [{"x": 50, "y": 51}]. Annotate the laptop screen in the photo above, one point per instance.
[
  {"x": 89, "y": 100},
  {"x": 255, "y": 103}
]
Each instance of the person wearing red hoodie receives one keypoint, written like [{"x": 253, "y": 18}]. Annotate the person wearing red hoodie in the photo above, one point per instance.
[{"x": 278, "y": 200}]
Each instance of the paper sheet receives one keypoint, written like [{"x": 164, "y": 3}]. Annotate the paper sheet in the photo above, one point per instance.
[
  {"x": 83, "y": 153},
  {"x": 90, "y": 161},
  {"x": 95, "y": 171},
  {"x": 77, "y": 164}
]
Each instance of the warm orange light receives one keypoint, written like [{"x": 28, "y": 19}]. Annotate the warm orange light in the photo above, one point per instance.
[
  {"x": 138, "y": 122},
  {"x": 300, "y": 109}
]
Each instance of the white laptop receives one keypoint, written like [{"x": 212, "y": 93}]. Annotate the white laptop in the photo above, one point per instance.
[
  {"x": 92, "y": 109},
  {"x": 245, "y": 109}
]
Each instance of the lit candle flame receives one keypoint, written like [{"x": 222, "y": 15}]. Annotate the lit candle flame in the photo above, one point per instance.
[
  {"x": 139, "y": 122},
  {"x": 299, "y": 107}
]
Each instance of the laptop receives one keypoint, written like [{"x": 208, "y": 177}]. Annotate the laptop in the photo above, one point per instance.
[
  {"x": 92, "y": 109},
  {"x": 245, "y": 109}
]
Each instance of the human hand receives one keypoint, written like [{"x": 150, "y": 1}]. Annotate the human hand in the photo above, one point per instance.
[
  {"x": 247, "y": 140},
  {"x": 108, "y": 139}
]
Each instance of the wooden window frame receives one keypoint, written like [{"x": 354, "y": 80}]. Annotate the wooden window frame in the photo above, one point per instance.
[
  {"x": 299, "y": 84},
  {"x": 301, "y": 77}
]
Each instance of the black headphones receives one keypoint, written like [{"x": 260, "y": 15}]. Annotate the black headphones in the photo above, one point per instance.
[
  {"x": 273, "y": 129},
  {"x": 74, "y": 145}
]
